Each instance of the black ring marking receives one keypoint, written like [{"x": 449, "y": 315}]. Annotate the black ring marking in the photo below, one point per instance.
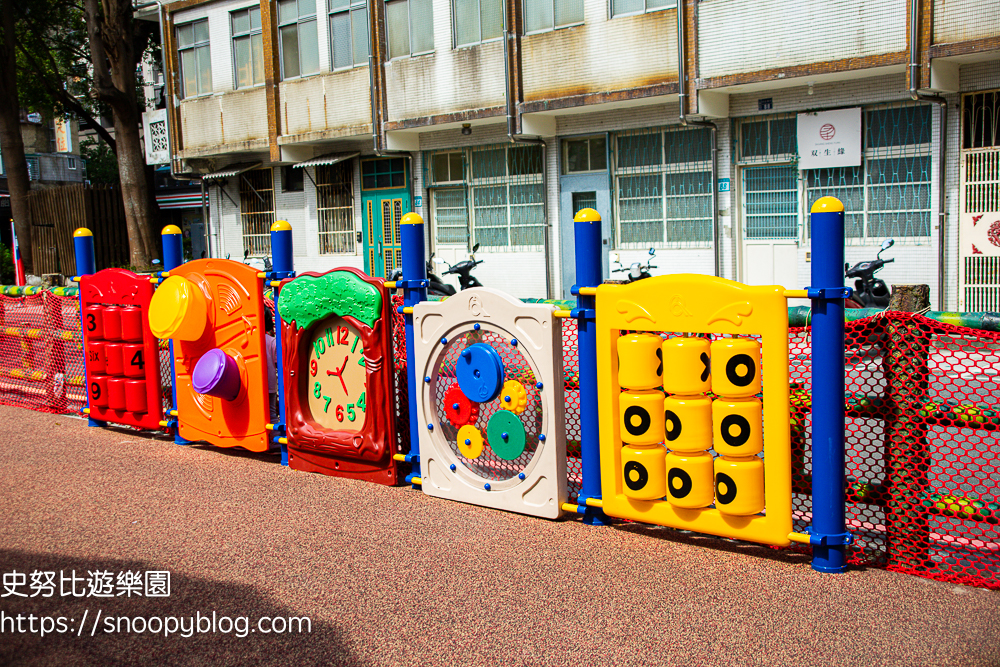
[
  {"x": 659, "y": 355},
  {"x": 643, "y": 475},
  {"x": 735, "y": 362},
  {"x": 730, "y": 494},
  {"x": 735, "y": 420},
  {"x": 674, "y": 431},
  {"x": 708, "y": 367},
  {"x": 644, "y": 420},
  {"x": 686, "y": 483}
]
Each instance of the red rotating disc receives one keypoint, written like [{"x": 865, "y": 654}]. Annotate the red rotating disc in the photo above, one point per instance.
[{"x": 459, "y": 409}]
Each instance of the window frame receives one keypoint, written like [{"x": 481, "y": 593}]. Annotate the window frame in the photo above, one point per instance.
[
  {"x": 479, "y": 25},
  {"x": 409, "y": 24},
  {"x": 671, "y": 4},
  {"x": 564, "y": 154},
  {"x": 194, "y": 46},
  {"x": 248, "y": 34},
  {"x": 352, "y": 7},
  {"x": 258, "y": 241},
  {"x": 554, "y": 26},
  {"x": 326, "y": 194},
  {"x": 299, "y": 21},
  {"x": 661, "y": 170}
]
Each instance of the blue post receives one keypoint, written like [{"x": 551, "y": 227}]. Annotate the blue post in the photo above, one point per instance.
[
  {"x": 173, "y": 256},
  {"x": 281, "y": 268},
  {"x": 414, "y": 284},
  {"x": 829, "y": 536},
  {"x": 83, "y": 248},
  {"x": 587, "y": 239}
]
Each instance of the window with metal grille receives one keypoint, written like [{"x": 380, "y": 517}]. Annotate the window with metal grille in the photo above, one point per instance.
[
  {"x": 34, "y": 168},
  {"x": 298, "y": 39},
  {"x": 663, "y": 188},
  {"x": 195, "y": 59},
  {"x": 409, "y": 27},
  {"x": 477, "y": 21},
  {"x": 584, "y": 155},
  {"x": 542, "y": 15},
  {"x": 629, "y": 7},
  {"x": 335, "y": 205},
  {"x": 348, "y": 33},
  {"x": 248, "y": 47},
  {"x": 257, "y": 211},
  {"x": 501, "y": 196},
  {"x": 889, "y": 195},
  {"x": 981, "y": 119}
]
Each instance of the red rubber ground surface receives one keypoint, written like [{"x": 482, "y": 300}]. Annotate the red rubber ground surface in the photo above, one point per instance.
[{"x": 389, "y": 576}]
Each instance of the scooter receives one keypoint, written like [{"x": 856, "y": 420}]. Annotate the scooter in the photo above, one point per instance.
[
  {"x": 464, "y": 269},
  {"x": 435, "y": 286},
  {"x": 869, "y": 291},
  {"x": 638, "y": 270}
]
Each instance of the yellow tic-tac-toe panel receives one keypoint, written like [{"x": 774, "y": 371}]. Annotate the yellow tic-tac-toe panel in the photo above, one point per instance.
[{"x": 657, "y": 463}]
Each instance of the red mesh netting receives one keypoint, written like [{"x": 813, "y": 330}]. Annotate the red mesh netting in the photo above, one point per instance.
[
  {"x": 571, "y": 372},
  {"x": 921, "y": 445},
  {"x": 41, "y": 356},
  {"x": 402, "y": 390}
]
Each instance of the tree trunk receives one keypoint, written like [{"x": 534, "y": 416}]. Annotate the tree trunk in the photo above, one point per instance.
[
  {"x": 11, "y": 143},
  {"x": 113, "y": 56},
  {"x": 910, "y": 298}
]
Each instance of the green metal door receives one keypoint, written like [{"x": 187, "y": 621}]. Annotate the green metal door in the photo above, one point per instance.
[{"x": 385, "y": 199}]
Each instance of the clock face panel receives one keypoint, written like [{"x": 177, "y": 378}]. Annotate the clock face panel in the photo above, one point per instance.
[{"x": 336, "y": 386}]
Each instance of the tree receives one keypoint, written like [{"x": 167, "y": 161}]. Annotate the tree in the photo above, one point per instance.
[
  {"x": 11, "y": 143},
  {"x": 116, "y": 47},
  {"x": 102, "y": 165}
]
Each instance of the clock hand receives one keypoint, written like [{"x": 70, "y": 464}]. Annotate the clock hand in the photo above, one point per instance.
[{"x": 340, "y": 375}]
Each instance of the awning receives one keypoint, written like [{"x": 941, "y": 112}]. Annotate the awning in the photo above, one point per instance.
[
  {"x": 329, "y": 158},
  {"x": 180, "y": 200},
  {"x": 231, "y": 170}
]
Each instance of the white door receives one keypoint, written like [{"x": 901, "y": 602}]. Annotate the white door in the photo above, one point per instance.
[
  {"x": 979, "y": 231},
  {"x": 770, "y": 225}
]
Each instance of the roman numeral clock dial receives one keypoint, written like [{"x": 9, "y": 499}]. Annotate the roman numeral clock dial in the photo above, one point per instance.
[{"x": 337, "y": 378}]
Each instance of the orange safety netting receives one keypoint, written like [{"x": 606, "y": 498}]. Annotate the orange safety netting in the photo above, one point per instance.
[
  {"x": 923, "y": 456},
  {"x": 41, "y": 355}
]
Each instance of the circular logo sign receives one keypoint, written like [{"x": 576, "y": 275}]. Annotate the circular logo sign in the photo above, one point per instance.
[{"x": 827, "y": 132}]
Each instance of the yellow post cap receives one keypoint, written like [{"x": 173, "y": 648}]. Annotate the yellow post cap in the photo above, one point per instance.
[
  {"x": 171, "y": 229},
  {"x": 281, "y": 226},
  {"x": 412, "y": 219},
  {"x": 82, "y": 231},
  {"x": 827, "y": 205},
  {"x": 178, "y": 310},
  {"x": 587, "y": 215}
]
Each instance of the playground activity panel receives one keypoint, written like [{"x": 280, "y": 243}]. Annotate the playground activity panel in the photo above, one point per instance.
[{"x": 688, "y": 377}]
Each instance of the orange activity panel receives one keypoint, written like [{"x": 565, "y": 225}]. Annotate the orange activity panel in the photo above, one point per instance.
[
  {"x": 339, "y": 398},
  {"x": 122, "y": 354},
  {"x": 213, "y": 310}
]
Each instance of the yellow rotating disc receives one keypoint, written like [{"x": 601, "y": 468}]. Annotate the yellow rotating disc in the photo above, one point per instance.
[
  {"x": 470, "y": 441},
  {"x": 514, "y": 397}
]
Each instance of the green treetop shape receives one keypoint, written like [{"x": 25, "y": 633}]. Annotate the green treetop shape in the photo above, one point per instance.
[{"x": 310, "y": 299}]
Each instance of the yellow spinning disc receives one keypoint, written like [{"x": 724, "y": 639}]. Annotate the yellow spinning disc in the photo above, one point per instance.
[
  {"x": 514, "y": 397},
  {"x": 470, "y": 441}
]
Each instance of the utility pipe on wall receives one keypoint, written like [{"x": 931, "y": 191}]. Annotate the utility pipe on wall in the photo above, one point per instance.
[
  {"x": 690, "y": 122},
  {"x": 917, "y": 96}
]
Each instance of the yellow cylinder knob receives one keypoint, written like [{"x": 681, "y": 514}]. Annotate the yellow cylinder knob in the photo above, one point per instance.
[
  {"x": 737, "y": 426},
  {"x": 735, "y": 367},
  {"x": 739, "y": 485},
  {"x": 641, "y": 417},
  {"x": 688, "y": 423},
  {"x": 690, "y": 480},
  {"x": 178, "y": 310},
  {"x": 640, "y": 365},
  {"x": 686, "y": 366},
  {"x": 644, "y": 472}
]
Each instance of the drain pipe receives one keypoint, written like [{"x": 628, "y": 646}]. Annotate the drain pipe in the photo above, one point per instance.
[
  {"x": 513, "y": 124},
  {"x": 691, "y": 122},
  {"x": 942, "y": 103}
]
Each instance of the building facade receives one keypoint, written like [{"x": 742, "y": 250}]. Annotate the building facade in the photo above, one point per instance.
[{"x": 683, "y": 126}]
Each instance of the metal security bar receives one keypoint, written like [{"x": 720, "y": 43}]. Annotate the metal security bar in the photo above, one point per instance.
[
  {"x": 257, "y": 211},
  {"x": 663, "y": 188},
  {"x": 771, "y": 198},
  {"x": 491, "y": 195},
  {"x": 335, "y": 205}
]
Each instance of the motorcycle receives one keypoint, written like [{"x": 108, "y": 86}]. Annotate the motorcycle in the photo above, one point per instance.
[
  {"x": 464, "y": 270},
  {"x": 869, "y": 291},
  {"x": 638, "y": 270},
  {"x": 435, "y": 286}
]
